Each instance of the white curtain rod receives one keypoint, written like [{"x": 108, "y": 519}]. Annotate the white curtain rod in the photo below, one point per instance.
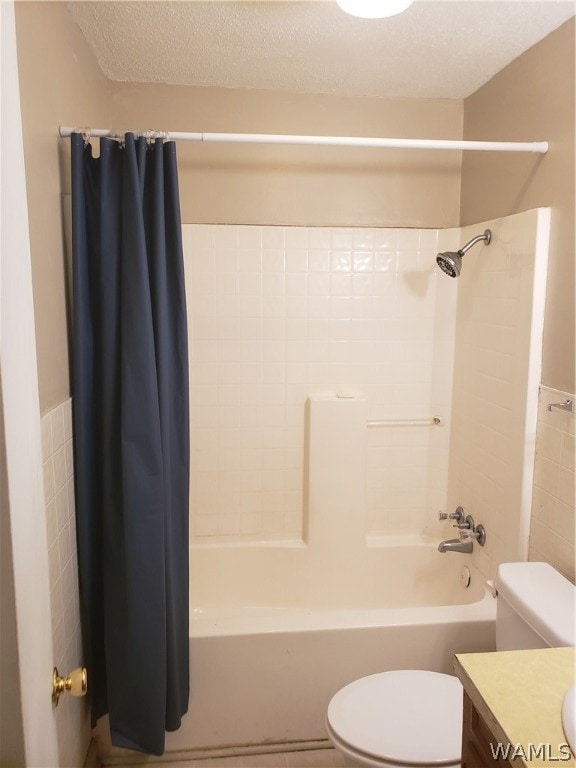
[{"x": 540, "y": 147}]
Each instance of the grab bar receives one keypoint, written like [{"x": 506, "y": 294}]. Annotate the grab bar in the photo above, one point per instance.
[{"x": 434, "y": 422}]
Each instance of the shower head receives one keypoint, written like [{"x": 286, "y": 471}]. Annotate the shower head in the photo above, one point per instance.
[{"x": 450, "y": 262}]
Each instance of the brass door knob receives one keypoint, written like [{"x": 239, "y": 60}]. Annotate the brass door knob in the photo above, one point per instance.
[{"x": 76, "y": 684}]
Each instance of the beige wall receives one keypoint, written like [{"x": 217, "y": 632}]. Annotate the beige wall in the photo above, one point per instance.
[
  {"x": 311, "y": 186},
  {"x": 532, "y": 99},
  {"x": 59, "y": 83}
]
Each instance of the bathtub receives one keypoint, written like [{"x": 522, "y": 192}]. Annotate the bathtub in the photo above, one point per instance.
[
  {"x": 276, "y": 628},
  {"x": 270, "y": 642}
]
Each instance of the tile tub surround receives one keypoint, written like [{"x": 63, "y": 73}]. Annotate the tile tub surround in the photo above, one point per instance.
[
  {"x": 497, "y": 368},
  {"x": 337, "y": 569},
  {"x": 72, "y": 713},
  {"x": 278, "y": 313},
  {"x": 553, "y": 508}
]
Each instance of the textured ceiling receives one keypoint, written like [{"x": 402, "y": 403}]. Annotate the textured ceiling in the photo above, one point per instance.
[{"x": 435, "y": 49}]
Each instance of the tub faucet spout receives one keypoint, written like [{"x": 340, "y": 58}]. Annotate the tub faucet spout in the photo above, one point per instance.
[{"x": 455, "y": 545}]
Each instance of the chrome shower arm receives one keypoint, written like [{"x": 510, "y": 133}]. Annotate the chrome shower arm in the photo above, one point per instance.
[
  {"x": 450, "y": 262},
  {"x": 486, "y": 237}
]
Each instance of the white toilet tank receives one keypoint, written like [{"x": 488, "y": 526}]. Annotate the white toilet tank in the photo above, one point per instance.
[{"x": 536, "y": 607}]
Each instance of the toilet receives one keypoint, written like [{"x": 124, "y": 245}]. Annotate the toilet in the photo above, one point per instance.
[{"x": 413, "y": 718}]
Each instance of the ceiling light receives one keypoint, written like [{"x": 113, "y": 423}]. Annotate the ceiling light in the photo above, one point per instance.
[{"x": 374, "y": 9}]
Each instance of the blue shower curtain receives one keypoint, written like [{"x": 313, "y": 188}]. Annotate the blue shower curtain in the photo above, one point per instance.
[{"x": 131, "y": 438}]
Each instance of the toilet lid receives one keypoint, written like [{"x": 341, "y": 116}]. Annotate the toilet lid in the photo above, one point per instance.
[{"x": 405, "y": 716}]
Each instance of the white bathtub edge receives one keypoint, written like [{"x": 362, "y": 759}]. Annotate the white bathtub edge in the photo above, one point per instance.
[{"x": 252, "y": 620}]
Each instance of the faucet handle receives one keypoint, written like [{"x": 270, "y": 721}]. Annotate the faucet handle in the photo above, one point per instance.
[
  {"x": 465, "y": 525},
  {"x": 458, "y": 515},
  {"x": 475, "y": 533}
]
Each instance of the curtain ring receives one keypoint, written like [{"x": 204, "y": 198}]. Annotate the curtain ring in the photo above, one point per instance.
[{"x": 85, "y": 133}]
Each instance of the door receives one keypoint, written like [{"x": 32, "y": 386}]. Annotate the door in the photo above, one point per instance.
[{"x": 24, "y": 495}]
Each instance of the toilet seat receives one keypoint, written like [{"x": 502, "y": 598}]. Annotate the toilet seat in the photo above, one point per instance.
[{"x": 403, "y": 718}]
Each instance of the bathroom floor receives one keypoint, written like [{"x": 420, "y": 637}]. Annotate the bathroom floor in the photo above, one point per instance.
[{"x": 310, "y": 758}]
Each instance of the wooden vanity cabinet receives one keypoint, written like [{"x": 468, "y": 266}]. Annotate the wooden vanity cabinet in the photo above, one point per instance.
[{"x": 476, "y": 740}]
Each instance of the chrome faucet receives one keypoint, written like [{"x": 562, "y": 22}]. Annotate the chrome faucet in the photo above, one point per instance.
[
  {"x": 455, "y": 545},
  {"x": 469, "y": 533}
]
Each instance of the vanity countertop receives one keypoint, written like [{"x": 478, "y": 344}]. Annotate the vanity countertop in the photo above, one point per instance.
[{"x": 519, "y": 695}]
